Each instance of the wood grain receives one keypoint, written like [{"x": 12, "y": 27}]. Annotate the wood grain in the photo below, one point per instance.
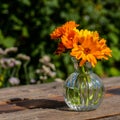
[{"x": 46, "y": 102}]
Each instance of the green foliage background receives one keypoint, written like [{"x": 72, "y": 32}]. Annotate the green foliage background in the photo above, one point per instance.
[{"x": 28, "y": 23}]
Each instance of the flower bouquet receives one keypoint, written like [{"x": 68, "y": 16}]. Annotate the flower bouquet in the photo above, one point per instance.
[{"x": 83, "y": 89}]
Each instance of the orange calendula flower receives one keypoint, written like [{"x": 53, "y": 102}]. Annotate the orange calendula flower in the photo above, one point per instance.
[
  {"x": 104, "y": 50},
  {"x": 60, "y": 49},
  {"x": 90, "y": 48},
  {"x": 70, "y": 38},
  {"x": 60, "y": 31}
]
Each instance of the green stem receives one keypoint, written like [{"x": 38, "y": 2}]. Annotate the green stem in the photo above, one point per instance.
[{"x": 25, "y": 71}]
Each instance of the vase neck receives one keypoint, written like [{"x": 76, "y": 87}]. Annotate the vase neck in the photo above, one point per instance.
[{"x": 82, "y": 69}]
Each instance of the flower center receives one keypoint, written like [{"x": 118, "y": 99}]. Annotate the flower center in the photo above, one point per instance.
[
  {"x": 71, "y": 36},
  {"x": 78, "y": 43},
  {"x": 87, "y": 51}
]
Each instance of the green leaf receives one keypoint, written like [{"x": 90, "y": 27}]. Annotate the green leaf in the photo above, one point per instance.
[
  {"x": 112, "y": 28},
  {"x": 16, "y": 19},
  {"x": 6, "y": 41},
  {"x": 113, "y": 37},
  {"x": 26, "y": 2},
  {"x": 99, "y": 68},
  {"x": 25, "y": 32},
  {"x": 114, "y": 71},
  {"x": 116, "y": 53}
]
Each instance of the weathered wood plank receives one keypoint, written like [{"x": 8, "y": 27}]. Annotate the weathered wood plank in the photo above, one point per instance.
[{"x": 41, "y": 102}]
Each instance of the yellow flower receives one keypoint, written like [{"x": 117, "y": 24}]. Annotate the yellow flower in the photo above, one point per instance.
[
  {"x": 60, "y": 31},
  {"x": 90, "y": 48},
  {"x": 1, "y": 77}
]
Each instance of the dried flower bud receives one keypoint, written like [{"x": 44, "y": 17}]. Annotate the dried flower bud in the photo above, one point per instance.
[
  {"x": 4, "y": 62},
  {"x": 52, "y": 74},
  {"x": 23, "y": 57},
  {"x": 43, "y": 77},
  {"x": 7, "y": 62},
  {"x": 17, "y": 63},
  {"x": 58, "y": 80},
  {"x": 12, "y": 49},
  {"x": 32, "y": 81},
  {"x": 10, "y": 62},
  {"x": 52, "y": 66},
  {"x": 14, "y": 81},
  {"x": 45, "y": 59},
  {"x": 46, "y": 69},
  {"x": 38, "y": 71}
]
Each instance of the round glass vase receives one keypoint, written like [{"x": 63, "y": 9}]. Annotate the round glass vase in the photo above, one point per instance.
[{"x": 83, "y": 89}]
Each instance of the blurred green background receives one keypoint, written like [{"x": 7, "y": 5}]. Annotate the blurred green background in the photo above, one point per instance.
[{"x": 26, "y": 24}]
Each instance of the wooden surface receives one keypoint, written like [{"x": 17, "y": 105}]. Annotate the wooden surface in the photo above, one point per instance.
[{"x": 45, "y": 102}]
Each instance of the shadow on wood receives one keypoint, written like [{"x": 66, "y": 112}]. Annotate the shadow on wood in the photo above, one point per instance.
[
  {"x": 115, "y": 91},
  {"x": 38, "y": 103},
  {"x": 17, "y": 104}
]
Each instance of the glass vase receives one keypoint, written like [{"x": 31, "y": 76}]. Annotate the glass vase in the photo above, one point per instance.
[{"x": 83, "y": 89}]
